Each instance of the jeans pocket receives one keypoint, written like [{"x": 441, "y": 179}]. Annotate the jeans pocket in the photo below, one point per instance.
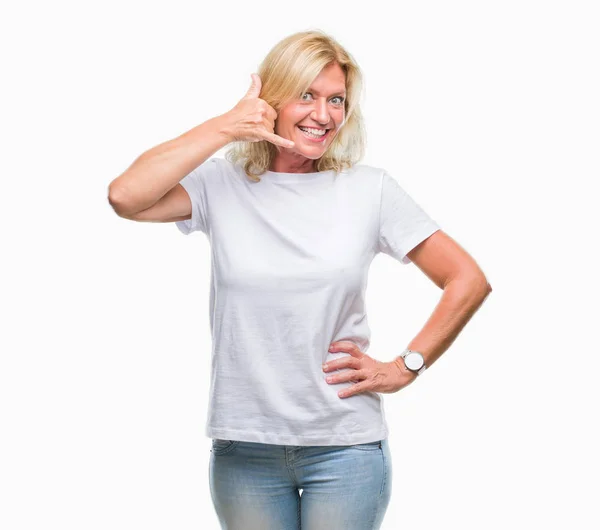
[
  {"x": 221, "y": 447},
  {"x": 368, "y": 446}
]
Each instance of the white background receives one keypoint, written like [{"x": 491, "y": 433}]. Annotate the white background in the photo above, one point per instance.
[{"x": 486, "y": 112}]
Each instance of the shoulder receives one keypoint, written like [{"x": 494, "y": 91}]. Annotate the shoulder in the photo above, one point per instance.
[
  {"x": 228, "y": 171},
  {"x": 373, "y": 174},
  {"x": 214, "y": 170},
  {"x": 365, "y": 171},
  {"x": 365, "y": 177},
  {"x": 216, "y": 165}
]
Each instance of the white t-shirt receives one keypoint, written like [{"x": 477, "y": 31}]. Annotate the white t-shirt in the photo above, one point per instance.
[{"x": 290, "y": 259}]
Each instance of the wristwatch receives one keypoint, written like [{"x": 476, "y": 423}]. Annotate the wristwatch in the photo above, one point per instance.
[{"x": 413, "y": 360}]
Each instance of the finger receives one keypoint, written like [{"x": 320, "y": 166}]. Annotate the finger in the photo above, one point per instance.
[
  {"x": 343, "y": 345},
  {"x": 271, "y": 113},
  {"x": 254, "y": 90},
  {"x": 277, "y": 140},
  {"x": 346, "y": 376},
  {"x": 343, "y": 362},
  {"x": 357, "y": 388},
  {"x": 268, "y": 125}
]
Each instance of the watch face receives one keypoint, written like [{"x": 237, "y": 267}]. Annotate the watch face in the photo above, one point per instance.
[{"x": 414, "y": 361}]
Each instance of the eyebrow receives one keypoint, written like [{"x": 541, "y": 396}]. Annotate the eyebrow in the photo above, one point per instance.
[{"x": 339, "y": 93}]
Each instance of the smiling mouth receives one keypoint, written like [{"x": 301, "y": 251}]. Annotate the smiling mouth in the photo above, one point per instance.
[{"x": 314, "y": 137}]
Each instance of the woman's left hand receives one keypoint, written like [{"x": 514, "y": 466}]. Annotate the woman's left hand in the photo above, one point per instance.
[{"x": 372, "y": 375}]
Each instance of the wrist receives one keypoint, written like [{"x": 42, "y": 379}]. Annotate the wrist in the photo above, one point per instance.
[
  {"x": 224, "y": 127},
  {"x": 399, "y": 362},
  {"x": 405, "y": 376},
  {"x": 412, "y": 361}
]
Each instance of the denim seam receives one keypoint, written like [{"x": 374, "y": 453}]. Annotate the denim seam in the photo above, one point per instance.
[
  {"x": 383, "y": 482},
  {"x": 299, "y": 519},
  {"x": 290, "y": 469}
]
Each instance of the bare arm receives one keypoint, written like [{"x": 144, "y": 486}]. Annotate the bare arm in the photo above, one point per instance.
[
  {"x": 149, "y": 189},
  {"x": 465, "y": 288},
  {"x": 160, "y": 169}
]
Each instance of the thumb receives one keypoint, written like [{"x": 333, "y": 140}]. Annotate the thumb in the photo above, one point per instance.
[{"x": 254, "y": 90}]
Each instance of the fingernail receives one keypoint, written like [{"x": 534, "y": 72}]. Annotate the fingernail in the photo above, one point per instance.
[{"x": 325, "y": 366}]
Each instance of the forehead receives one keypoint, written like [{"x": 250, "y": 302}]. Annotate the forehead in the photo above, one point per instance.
[
  {"x": 341, "y": 89},
  {"x": 330, "y": 80}
]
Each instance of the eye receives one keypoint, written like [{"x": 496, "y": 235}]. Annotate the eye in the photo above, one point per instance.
[{"x": 341, "y": 98}]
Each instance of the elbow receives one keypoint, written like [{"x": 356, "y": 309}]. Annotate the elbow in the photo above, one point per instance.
[
  {"x": 480, "y": 290},
  {"x": 486, "y": 290},
  {"x": 486, "y": 293},
  {"x": 477, "y": 285},
  {"x": 487, "y": 285},
  {"x": 118, "y": 202},
  {"x": 484, "y": 286}
]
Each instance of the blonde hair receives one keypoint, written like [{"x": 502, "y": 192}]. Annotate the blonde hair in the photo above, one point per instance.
[{"x": 286, "y": 73}]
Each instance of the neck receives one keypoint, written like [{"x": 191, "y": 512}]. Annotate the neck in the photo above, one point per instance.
[{"x": 292, "y": 164}]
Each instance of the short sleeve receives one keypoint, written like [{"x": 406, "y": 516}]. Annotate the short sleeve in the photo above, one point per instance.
[
  {"x": 195, "y": 185},
  {"x": 403, "y": 224}
]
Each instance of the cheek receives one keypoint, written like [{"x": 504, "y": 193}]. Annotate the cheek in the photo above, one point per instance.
[
  {"x": 287, "y": 119},
  {"x": 296, "y": 113}
]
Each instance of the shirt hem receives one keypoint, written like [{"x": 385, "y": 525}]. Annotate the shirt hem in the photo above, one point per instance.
[
  {"x": 295, "y": 439},
  {"x": 417, "y": 238}
]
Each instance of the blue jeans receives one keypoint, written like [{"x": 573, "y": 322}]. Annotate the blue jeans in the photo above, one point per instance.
[{"x": 256, "y": 486}]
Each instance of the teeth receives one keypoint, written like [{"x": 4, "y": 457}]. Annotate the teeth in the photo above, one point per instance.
[{"x": 313, "y": 132}]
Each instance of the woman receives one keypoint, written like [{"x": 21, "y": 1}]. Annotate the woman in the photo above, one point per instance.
[{"x": 294, "y": 222}]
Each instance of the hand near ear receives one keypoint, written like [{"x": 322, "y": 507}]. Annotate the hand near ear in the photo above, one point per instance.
[{"x": 253, "y": 119}]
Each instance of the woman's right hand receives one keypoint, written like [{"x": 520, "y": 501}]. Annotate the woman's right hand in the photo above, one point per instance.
[{"x": 253, "y": 119}]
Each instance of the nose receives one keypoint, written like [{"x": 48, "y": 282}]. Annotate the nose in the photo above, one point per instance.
[{"x": 320, "y": 113}]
